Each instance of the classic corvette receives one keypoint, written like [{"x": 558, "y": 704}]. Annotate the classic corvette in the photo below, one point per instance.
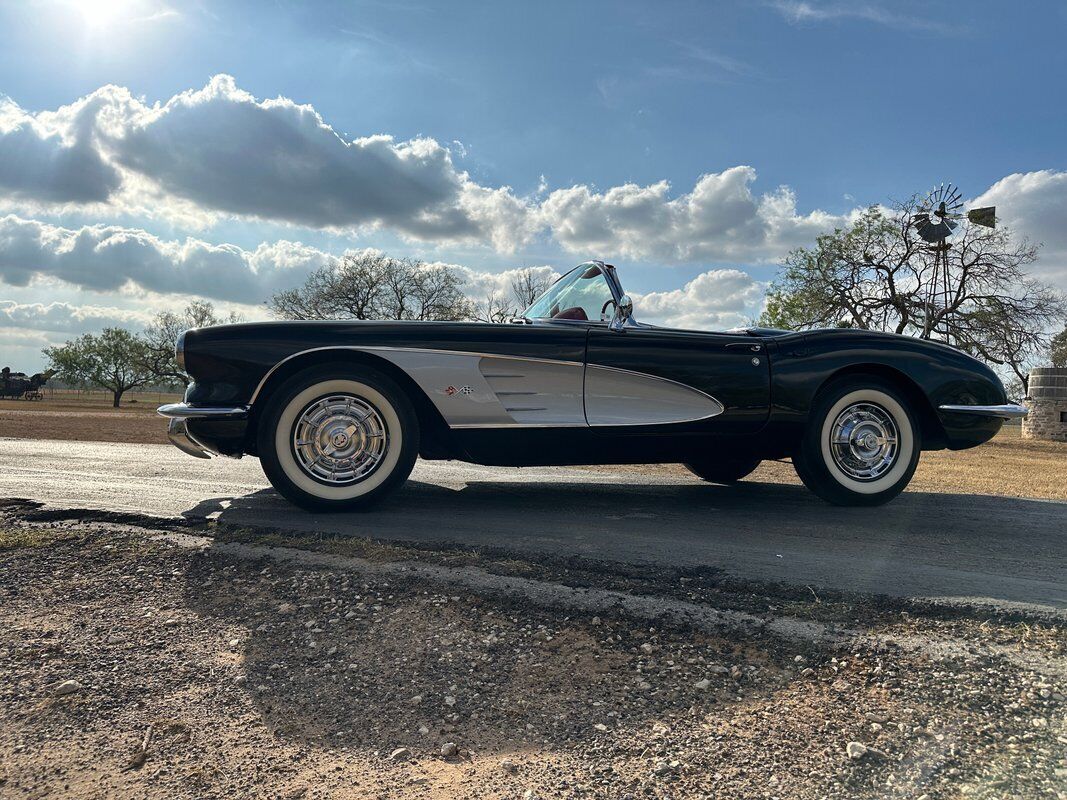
[{"x": 337, "y": 412}]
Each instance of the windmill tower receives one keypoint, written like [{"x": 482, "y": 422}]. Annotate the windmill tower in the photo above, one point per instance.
[{"x": 936, "y": 220}]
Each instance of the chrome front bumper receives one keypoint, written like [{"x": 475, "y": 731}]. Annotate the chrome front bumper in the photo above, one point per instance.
[
  {"x": 1006, "y": 411},
  {"x": 178, "y": 433},
  {"x": 178, "y": 428}
]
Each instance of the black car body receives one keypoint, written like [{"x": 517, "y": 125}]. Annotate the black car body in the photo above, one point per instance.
[{"x": 557, "y": 388}]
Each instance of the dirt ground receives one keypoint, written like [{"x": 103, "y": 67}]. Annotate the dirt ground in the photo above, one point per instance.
[
  {"x": 87, "y": 417},
  {"x": 1008, "y": 465},
  {"x": 200, "y": 671}
]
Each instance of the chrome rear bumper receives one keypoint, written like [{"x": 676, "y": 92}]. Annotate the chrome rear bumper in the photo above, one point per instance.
[
  {"x": 178, "y": 428},
  {"x": 1006, "y": 411}
]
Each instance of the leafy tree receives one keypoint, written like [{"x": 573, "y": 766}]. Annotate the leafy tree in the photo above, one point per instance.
[
  {"x": 878, "y": 275},
  {"x": 1058, "y": 349},
  {"x": 161, "y": 335},
  {"x": 374, "y": 286},
  {"x": 116, "y": 360}
]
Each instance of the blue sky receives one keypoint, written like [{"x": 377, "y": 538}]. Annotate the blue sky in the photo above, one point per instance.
[{"x": 843, "y": 103}]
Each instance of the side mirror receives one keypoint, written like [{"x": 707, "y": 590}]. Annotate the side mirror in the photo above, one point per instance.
[{"x": 624, "y": 313}]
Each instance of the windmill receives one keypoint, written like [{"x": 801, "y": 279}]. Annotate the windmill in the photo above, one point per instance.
[{"x": 936, "y": 220}]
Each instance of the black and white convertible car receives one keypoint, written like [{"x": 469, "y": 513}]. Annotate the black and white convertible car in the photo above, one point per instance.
[{"x": 337, "y": 412}]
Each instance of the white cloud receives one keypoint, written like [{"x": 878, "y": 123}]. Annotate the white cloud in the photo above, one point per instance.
[
  {"x": 53, "y": 163},
  {"x": 719, "y": 219},
  {"x": 219, "y": 151},
  {"x": 223, "y": 151},
  {"x": 67, "y": 318},
  {"x": 110, "y": 258},
  {"x": 480, "y": 285},
  {"x": 715, "y": 300},
  {"x": 915, "y": 17},
  {"x": 1035, "y": 205},
  {"x": 154, "y": 274}
]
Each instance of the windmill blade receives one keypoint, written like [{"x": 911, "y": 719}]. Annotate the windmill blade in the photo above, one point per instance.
[
  {"x": 986, "y": 217},
  {"x": 934, "y": 231}
]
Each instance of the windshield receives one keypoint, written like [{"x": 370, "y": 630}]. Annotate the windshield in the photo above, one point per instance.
[{"x": 581, "y": 294}]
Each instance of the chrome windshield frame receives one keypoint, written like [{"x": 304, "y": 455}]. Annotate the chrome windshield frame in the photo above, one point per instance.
[{"x": 611, "y": 278}]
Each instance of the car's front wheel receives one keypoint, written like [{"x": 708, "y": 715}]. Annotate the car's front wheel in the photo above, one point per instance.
[
  {"x": 337, "y": 437},
  {"x": 861, "y": 445}
]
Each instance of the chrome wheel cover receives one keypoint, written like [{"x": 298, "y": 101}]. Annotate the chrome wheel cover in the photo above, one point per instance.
[
  {"x": 339, "y": 439},
  {"x": 864, "y": 441}
]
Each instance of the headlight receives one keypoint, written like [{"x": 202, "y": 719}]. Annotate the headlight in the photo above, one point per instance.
[{"x": 179, "y": 351}]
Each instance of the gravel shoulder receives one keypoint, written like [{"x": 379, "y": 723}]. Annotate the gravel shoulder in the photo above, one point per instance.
[{"x": 216, "y": 670}]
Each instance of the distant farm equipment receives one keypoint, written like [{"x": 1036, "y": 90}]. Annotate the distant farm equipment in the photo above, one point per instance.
[{"x": 20, "y": 386}]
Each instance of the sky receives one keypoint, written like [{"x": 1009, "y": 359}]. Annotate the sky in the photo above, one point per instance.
[{"x": 154, "y": 152}]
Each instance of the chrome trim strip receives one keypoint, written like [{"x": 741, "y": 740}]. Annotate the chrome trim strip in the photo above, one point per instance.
[
  {"x": 1006, "y": 411},
  {"x": 473, "y": 426},
  {"x": 186, "y": 411},
  {"x": 372, "y": 348}
]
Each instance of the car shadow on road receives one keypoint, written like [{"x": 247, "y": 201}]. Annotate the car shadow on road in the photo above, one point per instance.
[{"x": 921, "y": 544}]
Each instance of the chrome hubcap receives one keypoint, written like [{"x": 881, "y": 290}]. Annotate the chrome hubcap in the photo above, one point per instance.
[
  {"x": 864, "y": 441},
  {"x": 340, "y": 439}
]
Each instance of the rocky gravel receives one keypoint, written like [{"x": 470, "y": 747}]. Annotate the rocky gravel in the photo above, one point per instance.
[{"x": 131, "y": 666}]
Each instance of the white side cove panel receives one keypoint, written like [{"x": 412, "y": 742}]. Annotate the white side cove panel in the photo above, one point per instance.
[
  {"x": 475, "y": 390},
  {"x": 619, "y": 397},
  {"x": 478, "y": 390},
  {"x": 542, "y": 393}
]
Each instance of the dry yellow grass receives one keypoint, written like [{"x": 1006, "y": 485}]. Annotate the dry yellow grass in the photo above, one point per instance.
[{"x": 1008, "y": 465}]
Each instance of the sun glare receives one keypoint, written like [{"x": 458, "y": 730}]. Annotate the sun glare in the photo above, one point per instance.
[{"x": 103, "y": 13}]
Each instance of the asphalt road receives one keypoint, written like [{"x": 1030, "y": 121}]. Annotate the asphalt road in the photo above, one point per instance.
[{"x": 953, "y": 547}]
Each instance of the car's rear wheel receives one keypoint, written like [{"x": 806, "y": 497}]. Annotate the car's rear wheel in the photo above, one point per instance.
[
  {"x": 725, "y": 470},
  {"x": 337, "y": 437},
  {"x": 861, "y": 445}
]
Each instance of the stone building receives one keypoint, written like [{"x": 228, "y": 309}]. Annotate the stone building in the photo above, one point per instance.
[{"x": 1047, "y": 402}]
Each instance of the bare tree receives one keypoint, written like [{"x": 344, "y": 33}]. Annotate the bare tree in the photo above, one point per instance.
[
  {"x": 494, "y": 307},
  {"x": 526, "y": 286},
  {"x": 879, "y": 274},
  {"x": 161, "y": 335},
  {"x": 374, "y": 286}
]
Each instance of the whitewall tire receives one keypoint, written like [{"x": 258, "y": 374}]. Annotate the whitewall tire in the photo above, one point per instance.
[
  {"x": 862, "y": 443},
  {"x": 337, "y": 437}
]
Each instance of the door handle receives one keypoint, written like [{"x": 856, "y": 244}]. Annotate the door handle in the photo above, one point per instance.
[{"x": 748, "y": 347}]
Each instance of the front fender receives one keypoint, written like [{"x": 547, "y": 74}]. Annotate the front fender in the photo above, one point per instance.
[{"x": 931, "y": 375}]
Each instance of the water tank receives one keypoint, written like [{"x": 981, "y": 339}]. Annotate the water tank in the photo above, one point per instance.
[{"x": 1047, "y": 402}]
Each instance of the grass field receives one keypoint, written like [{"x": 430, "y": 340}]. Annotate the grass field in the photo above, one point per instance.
[{"x": 1008, "y": 465}]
